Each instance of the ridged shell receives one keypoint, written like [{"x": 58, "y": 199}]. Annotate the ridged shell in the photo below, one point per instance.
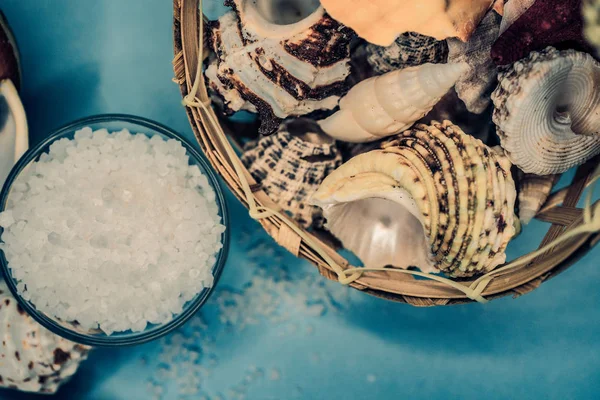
[
  {"x": 548, "y": 111},
  {"x": 277, "y": 70},
  {"x": 408, "y": 50},
  {"x": 387, "y": 104},
  {"x": 381, "y": 21},
  {"x": 533, "y": 191},
  {"x": 432, "y": 185},
  {"x": 476, "y": 85},
  {"x": 291, "y": 164},
  {"x": 33, "y": 358},
  {"x": 591, "y": 15}
]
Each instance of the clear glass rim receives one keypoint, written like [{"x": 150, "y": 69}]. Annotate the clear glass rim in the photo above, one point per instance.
[{"x": 179, "y": 319}]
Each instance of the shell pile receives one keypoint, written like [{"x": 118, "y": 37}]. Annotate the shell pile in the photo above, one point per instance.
[
  {"x": 278, "y": 70},
  {"x": 32, "y": 358},
  {"x": 547, "y": 111},
  {"x": 433, "y": 184}
]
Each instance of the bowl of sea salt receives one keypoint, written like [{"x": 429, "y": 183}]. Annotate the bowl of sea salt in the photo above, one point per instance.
[{"x": 112, "y": 231}]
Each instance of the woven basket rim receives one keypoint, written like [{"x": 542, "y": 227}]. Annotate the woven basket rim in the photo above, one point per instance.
[{"x": 397, "y": 287}]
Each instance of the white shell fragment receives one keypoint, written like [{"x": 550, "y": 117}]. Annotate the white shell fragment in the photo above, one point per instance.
[
  {"x": 33, "y": 359},
  {"x": 387, "y": 104},
  {"x": 14, "y": 139},
  {"x": 547, "y": 111},
  {"x": 533, "y": 192},
  {"x": 268, "y": 64},
  {"x": 433, "y": 197}
]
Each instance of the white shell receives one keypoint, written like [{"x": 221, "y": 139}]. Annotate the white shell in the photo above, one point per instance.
[
  {"x": 387, "y": 104},
  {"x": 513, "y": 9},
  {"x": 13, "y": 128},
  {"x": 548, "y": 111},
  {"x": 32, "y": 358}
]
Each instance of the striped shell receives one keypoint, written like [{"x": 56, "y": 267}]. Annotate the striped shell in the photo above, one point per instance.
[
  {"x": 533, "y": 192},
  {"x": 290, "y": 164},
  {"x": 409, "y": 49},
  {"x": 277, "y": 70},
  {"x": 432, "y": 197},
  {"x": 32, "y": 358},
  {"x": 547, "y": 111}
]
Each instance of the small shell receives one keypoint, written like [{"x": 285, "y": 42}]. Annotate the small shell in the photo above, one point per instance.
[
  {"x": 433, "y": 197},
  {"x": 533, "y": 191},
  {"x": 475, "y": 86},
  {"x": 291, "y": 164},
  {"x": 548, "y": 111},
  {"x": 381, "y": 21},
  {"x": 513, "y": 9},
  {"x": 278, "y": 69},
  {"x": 9, "y": 55},
  {"x": 33, "y": 358},
  {"x": 556, "y": 23},
  {"x": 408, "y": 50},
  {"x": 384, "y": 105},
  {"x": 591, "y": 16}
]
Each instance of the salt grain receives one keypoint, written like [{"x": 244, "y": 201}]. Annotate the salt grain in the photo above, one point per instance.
[{"x": 94, "y": 238}]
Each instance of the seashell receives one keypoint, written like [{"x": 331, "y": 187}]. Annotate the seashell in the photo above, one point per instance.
[
  {"x": 433, "y": 197},
  {"x": 513, "y": 9},
  {"x": 556, "y": 23},
  {"x": 291, "y": 164},
  {"x": 33, "y": 358},
  {"x": 408, "y": 50},
  {"x": 266, "y": 65},
  {"x": 381, "y": 21},
  {"x": 408, "y": 94},
  {"x": 547, "y": 110},
  {"x": 533, "y": 191},
  {"x": 591, "y": 16},
  {"x": 476, "y": 85}
]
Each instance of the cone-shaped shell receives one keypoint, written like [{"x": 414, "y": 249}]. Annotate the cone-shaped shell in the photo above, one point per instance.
[
  {"x": 290, "y": 164},
  {"x": 533, "y": 192},
  {"x": 547, "y": 111},
  {"x": 431, "y": 185},
  {"x": 32, "y": 358},
  {"x": 387, "y": 104},
  {"x": 381, "y": 21}
]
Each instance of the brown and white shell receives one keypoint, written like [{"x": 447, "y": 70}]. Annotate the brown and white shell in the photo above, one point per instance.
[
  {"x": 533, "y": 191},
  {"x": 547, "y": 110},
  {"x": 278, "y": 70},
  {"x": 433, "y": 197},
  {"x": 33, "y": 359},
  {"x": 291, "y": 164},
  {"x": 408, "y": 50}
]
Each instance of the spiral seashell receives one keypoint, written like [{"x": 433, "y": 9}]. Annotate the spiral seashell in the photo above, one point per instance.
[
  {"x": 408, "y": 50},
  {"x": 33, "y": 358},
  {"x": 533, "y": 191},
  {"x": 591, "y": 16},
  {"x": 548, "y": 111},
  {"x": 475, "y": 86},
  {"x": 433, "y": 197},
  {"x": 381, "y": 21},
  {"x": 290, "y": 164},
  {"x": 269, "y": 62},
  {"x": 384, "y": 105}
]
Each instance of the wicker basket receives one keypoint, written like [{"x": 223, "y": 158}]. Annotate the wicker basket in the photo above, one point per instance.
[{"x": 560, "y": 209}]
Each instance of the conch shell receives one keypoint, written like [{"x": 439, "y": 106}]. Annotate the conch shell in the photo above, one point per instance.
[
  {"x": 433, "y": 197},
  {"x": 533, "y": 192},
  {"x": 32, "y": 358},
  {"x": 381, "y": 21},
  {"x": 548, "y": 111},
  {"x": 278, "y": 70},
  {"x": 387, "y": 104},
  {"x": 291, "y": 164}
]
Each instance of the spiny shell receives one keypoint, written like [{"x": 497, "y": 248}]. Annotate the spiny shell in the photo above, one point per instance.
[
  {"x": 548, "y": 111},
  {"x": 384, "y": 105},
  {"x": 591, "y": 15},
  {"x": 476, "y": 85},
  {"x": 278, "y": 70},
  {"x": 533, "y": 191},
  {"x": 556, "y": 23},
  {"x": 408, "y": 50},
  {"x": 32, "y": 358},
  {"x": 459, "y": 191},
  {"x": 291, "y": 164},
  {"x": 381, "y": 21}
]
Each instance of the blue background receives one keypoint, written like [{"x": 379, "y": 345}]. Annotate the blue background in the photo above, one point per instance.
[{"x": 300, "y": 337}]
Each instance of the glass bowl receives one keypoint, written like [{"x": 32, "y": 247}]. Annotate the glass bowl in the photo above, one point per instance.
[{"x": 71, "y": 330}]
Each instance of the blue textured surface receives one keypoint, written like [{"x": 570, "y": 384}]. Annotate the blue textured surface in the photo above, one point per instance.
[{"x": 319, "y": 340}]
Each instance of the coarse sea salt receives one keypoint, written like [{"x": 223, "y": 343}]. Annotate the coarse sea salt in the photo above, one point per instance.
[{"x": 112, "y": 230}]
